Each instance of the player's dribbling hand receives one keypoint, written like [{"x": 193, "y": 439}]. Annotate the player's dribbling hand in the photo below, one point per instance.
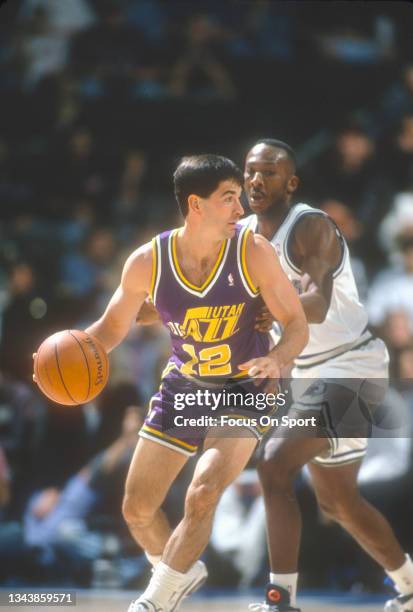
[{"x": 264, "y": 320}]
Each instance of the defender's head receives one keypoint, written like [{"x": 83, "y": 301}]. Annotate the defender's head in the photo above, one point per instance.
[{"x": 270, "y": 175}]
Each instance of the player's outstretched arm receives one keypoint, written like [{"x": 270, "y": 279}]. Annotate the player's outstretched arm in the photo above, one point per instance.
[
  {"x": 319, "y": 249},
  {"x": 114, "y": 324},
  {"x": 283, "y": 303}
]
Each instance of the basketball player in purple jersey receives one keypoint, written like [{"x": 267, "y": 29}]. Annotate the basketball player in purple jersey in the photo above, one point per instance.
[
  {"x": 340, "y": 346},
  {"x": 206, "y": 279}
]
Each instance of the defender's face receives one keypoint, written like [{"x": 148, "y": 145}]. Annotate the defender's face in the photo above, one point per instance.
[
  {"x": 268, "y": 178},
  {"x": 222, "y": 209}
]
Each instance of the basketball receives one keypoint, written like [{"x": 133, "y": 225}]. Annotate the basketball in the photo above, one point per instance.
[{"x": 71, "y": 367}]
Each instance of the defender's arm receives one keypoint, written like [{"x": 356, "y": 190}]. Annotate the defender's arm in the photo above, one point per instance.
[
  {"x": 281, "y": 300},
  {"x": 319, "y": 250}
]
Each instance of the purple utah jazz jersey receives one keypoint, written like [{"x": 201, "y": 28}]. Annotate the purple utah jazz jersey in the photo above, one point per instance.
[{"x": 211, "y": 327}]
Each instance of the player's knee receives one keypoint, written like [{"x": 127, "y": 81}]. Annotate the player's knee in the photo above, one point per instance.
[
  {"x": 136, "y": 511},
  {"x": 340, "y": 508},
  {"x": 275, "y": 474},
  {"x": 202, "y": 498}
]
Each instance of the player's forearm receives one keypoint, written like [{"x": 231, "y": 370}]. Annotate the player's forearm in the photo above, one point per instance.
[
  {"x": 293, "y": 341},
  {"x": 314, "y": 306},
  {"x": 109, "y": 332}
]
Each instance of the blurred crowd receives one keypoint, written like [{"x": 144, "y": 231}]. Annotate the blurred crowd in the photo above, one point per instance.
[{"x": 100, "y": 98}]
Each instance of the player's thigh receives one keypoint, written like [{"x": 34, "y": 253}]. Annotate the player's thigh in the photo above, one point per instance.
[
  {"x": 291, "y": 453},
  {"x": 152, "y": 471},
  {"x": 223, "y": 460}
]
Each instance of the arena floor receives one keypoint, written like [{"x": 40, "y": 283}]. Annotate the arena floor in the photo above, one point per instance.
[
  {"x": 118, "y": 601},
  {"x": 120, "y": 604}
]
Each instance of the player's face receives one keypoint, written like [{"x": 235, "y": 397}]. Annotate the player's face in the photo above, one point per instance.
[
  {"x": 269, "y": 178},
  {"x": 223, "y": 209}
]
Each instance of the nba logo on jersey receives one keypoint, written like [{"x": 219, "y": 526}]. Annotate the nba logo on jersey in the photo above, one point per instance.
[{"x": 230, "y": 280}]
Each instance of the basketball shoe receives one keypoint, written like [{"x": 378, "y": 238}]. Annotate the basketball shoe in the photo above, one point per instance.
[
  {"x": 401, "y": 603},
  {"x": 277, "y": 599},
  {"x": 145, "y": 605},
  {"x": 195, "y": 578}
]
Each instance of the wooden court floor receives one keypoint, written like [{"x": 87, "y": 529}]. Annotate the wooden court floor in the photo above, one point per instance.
[{"x": 119, "y": 602}]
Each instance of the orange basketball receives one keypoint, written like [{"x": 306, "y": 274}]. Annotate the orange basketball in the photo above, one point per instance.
[{"x": 71, "y": 367}]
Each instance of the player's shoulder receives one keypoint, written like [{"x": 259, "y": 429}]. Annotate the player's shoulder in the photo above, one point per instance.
[
  {"x": 258, "y": 245},
  {"x": 142, "y": 253},
  {"x": 140, "y": 260},
  {"x": 312, "y": 222}
]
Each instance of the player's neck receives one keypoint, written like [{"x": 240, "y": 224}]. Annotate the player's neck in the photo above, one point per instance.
[
  {"x": 270, "y": 221},
  {"x": 197, "y": 244}
]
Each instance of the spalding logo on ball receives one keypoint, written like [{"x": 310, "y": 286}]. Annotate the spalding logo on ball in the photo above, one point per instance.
[{"x": 71, "y": 367}]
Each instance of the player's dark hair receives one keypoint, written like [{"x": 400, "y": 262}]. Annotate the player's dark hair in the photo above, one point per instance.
[
  {"x": 201, "y": 175},
  {"x": 279, "y": 144}
]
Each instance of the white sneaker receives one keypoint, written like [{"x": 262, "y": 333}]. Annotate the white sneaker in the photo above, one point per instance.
[
  {"x": 145, "y": 605},
  {"x": 401, "y": 603},
  {"x": 195, "y": 578}
]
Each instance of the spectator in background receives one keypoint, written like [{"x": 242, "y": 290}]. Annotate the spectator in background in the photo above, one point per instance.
[
  {"x": 199, "y": 70},
  {"x": 4, "y": 482},
  {"x": 142, "y": 357},
  {"x": 22, "y": 433},
  {"x": 392, "y": 289},
  {"x": 128, "y": 208},
  {"x": 23, "y": 324},
  {"x": 348, "y": 174},
  {"x": 239, "y": 530},
  {"x": 85, "y": 272},
  {"x": 64, "y": 18},
  {"x": 397, "y": 330},
  {"x": 267, "y": 31},
  {"x": 397, "y": 156},
  {"x": 396, "y": 102},
  {"x": 405, "y": 362},
  {"x": 44, "y": 51},
  {"x": 106, "y": 55},
  {"x": 60, "y": 527},
  {"x": 77, "y": 172}
]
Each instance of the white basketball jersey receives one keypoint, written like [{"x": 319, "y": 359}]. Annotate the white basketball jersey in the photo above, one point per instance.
[{"x": 346, "y": 319}]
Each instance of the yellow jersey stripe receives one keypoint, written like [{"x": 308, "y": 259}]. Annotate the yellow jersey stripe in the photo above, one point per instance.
[
  {"x": 244, "y": 268},
  {"x": 164, "y": 436},
  {"x": 212, "y": 273},
  {"x": 168, "y": 368},
  {"x": 154, "y": 268}
]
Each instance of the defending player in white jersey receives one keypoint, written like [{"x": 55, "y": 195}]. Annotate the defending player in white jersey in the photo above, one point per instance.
[{"x": 315, "y": 257}]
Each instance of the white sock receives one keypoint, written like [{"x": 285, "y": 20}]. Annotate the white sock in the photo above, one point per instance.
[
  {"x": 403, "y": 577},
  {"x": 164, "y": 583},
  {"x": 153, "y": 559},
  {"x": 288, "y": 582}
]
